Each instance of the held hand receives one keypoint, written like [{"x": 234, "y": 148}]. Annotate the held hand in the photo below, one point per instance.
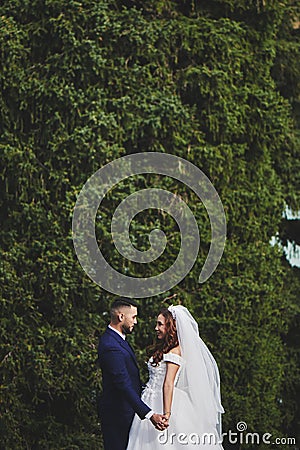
[
  {"x": 159, "y": 421},
  {"x": 166, "y": 416}
]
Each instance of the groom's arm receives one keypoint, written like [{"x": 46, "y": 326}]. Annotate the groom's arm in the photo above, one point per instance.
[{"x": 113, "y": 362}]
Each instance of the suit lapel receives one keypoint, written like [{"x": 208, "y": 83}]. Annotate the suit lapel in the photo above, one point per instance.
[
  {"x": 128, "y": 347},
  {"x": 123, "y": 343}
]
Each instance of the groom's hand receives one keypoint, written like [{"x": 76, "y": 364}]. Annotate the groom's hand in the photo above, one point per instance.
[{"x": 159, "y": 421}]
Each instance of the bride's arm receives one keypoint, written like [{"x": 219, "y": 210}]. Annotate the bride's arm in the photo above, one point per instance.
[{"x": 168, "y": 388}]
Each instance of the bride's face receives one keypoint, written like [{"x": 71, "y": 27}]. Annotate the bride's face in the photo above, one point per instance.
[{"x": 160, "y": 327}]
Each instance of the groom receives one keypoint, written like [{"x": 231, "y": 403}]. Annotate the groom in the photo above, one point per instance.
[{"x": 121, "y": 384}]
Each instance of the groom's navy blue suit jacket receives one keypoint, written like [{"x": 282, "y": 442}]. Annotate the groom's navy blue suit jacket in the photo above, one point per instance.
[{"x": 121, "y": 390}]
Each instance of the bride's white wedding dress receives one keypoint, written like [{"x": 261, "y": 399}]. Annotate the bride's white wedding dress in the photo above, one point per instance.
[{"x": 188, "y": 428}]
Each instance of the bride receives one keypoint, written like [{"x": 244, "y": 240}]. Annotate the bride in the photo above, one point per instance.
[{"x": 184, "y": 385}]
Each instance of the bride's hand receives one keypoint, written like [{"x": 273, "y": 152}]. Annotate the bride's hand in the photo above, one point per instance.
[
  {"x": 159, "y": 421},
  {"x": 166, "y": 416}
]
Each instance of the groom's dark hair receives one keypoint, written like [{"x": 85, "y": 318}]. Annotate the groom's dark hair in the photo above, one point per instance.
[{"x": 122, "y": 301}]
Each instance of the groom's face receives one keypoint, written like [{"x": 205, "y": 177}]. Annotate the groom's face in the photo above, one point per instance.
[{"x": 129, "y": 319}]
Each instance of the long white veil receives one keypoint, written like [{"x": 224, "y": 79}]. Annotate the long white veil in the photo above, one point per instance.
[{"x": 200, "y": 375}]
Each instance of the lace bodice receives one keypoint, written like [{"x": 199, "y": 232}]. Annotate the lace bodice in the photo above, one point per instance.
[{"x": 157, "y": 373}]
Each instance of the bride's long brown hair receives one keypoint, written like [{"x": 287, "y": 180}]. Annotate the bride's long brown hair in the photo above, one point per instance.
[{"x": 170, "y": 341}]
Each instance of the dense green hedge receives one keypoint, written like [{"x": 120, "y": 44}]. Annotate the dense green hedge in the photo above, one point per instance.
[{"x": 214, "y": 82}]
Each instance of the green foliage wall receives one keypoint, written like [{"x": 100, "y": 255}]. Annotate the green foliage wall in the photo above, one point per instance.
[{"x": 84, "y": 83}]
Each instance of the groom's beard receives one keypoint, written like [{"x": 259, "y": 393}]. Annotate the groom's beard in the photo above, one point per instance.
[{"x": 127, "y": 330}]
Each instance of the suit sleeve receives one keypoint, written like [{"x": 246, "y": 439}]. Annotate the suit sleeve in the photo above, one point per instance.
[{"x": 113, "y": 362}]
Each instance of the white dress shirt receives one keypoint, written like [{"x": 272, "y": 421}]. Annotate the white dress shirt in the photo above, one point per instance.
[{"x": 123, "y": 336}]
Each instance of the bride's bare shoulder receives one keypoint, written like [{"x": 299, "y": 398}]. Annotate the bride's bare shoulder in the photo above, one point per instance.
[{"x": 176, "y": 350}]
